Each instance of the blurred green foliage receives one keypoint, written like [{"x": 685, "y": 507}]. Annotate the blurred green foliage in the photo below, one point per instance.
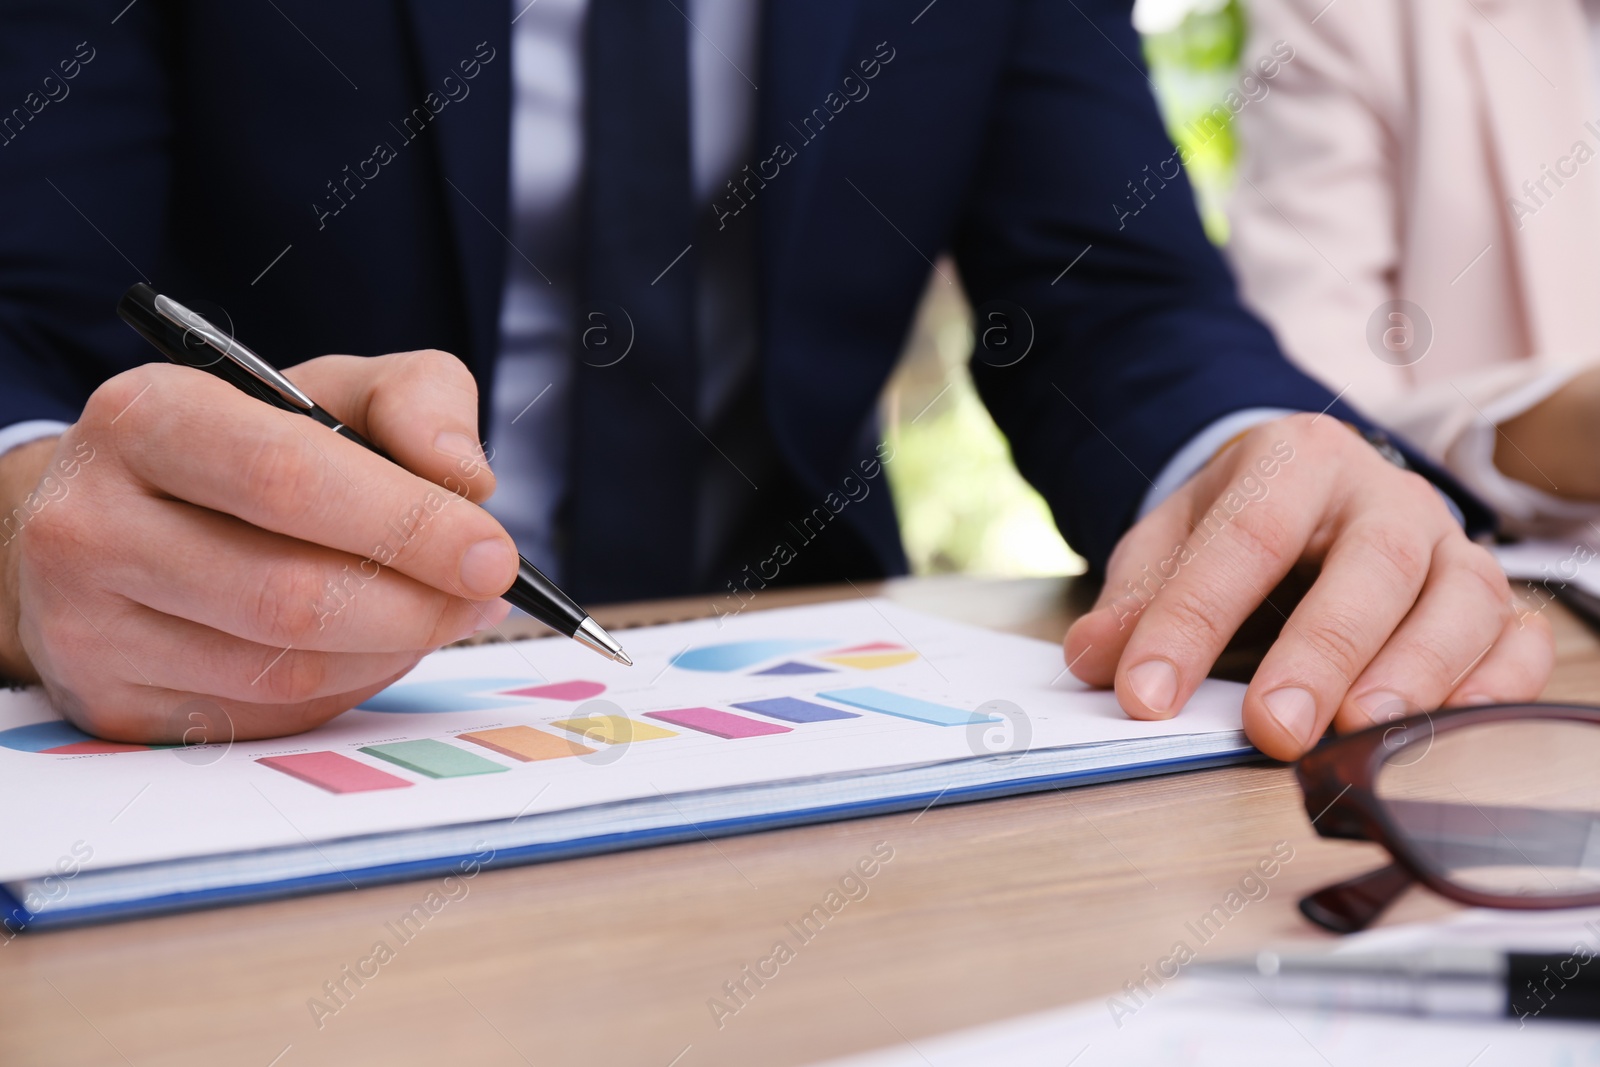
[
  {"x": 1204, "y": 40},
  {"x": 963, "y": 506},
  {"x": 1193, "y": 68}
]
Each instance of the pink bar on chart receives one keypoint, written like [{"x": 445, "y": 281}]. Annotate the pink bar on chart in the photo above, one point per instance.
[
  {"x": 333, "y": 772},
  {"x": 575, "y": 690},
  {"x": 871, "y": 646},
  {"x": 717, "y": 723}
]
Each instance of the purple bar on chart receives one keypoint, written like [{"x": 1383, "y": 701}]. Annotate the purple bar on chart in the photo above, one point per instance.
[
  {"x": 333, "y": 772},
  {"x": 789, "y": 709},
  {"x": 795, "y": 667},
  {"x": 717, "y": 723}
]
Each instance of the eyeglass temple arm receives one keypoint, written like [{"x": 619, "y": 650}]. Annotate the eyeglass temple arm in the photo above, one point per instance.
[
  {"x": 1355, "y": 904},
  {"x": 1324, "y": 785}
]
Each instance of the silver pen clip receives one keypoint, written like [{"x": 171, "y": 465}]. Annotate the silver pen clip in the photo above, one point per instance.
[{"x": 232, "y": 350}]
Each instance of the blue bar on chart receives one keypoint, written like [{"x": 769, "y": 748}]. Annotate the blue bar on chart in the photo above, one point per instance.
[
  {"x": 790, "y": 709},
  {"x": 881, "y": 700}
]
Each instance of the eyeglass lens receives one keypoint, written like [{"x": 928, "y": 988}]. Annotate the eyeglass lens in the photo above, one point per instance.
[{"x": 1509, "y": 808}]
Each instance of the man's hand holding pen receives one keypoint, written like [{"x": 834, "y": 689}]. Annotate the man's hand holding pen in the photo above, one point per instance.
[{"x": 216, "y": 549}]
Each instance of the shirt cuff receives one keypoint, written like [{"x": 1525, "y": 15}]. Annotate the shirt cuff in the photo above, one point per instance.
[
  {"x": 1201, "y": 447},
  {"x": 1205, "y": 444},
  {"x": 21, "y": 433},
  {"x": 1526, "y": 508}
]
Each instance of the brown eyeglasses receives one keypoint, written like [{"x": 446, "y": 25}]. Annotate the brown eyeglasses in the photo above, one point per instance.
[{"x": 1495, "y": 806}]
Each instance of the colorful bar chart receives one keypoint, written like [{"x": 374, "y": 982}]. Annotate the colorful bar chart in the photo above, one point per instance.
[
  {"x": 333, "y": 772},
  {"x": 456, "y": 755},
  {"x": 526, "y": 744},
  {"x": 722, "y": 724},
  {"x": 434, "y": 758},
  {"x": 793, "y": 709},
  {"x": 614, "y": 729},
  {"x": 881, "y": 700}
]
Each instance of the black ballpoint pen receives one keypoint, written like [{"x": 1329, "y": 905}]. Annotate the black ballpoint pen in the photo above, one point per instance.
[
  {"x": 1462, "y": 981},
  {"x": 189, "y": 339}
]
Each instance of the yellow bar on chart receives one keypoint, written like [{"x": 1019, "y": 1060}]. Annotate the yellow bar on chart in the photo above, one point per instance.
[
  {"x": 870, "y": 661},
  {"x": 614, "y": 729}
]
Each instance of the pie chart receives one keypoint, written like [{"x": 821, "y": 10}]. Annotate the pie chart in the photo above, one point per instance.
[{"x": 59, "y": 738}]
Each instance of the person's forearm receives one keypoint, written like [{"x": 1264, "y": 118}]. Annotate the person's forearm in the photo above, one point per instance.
[
  {"x": 1552, "y": 446},
  {"x": 20, "y": 471}
]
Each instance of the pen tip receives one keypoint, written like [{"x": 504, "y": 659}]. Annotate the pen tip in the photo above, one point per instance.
[{"x": 590, "y": 633}]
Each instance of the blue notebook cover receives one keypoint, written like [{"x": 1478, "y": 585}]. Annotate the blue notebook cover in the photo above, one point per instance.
[
  {"x": 15, "y": 918},
  {"x": 538, "y": 750}
]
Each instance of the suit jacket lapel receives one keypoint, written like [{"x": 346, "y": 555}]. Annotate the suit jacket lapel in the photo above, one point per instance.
[
  {"x": 470, "y": 135},
  {"x": 1534, "y": 61}
]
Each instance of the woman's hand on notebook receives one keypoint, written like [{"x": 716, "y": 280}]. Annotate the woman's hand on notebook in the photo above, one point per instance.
[
  {"x": 1405, "y": 614},
  {"x": 187, "y": 563}
]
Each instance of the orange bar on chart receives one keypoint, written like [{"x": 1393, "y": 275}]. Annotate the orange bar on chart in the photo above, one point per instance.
[{"x": 526, "y": 744}]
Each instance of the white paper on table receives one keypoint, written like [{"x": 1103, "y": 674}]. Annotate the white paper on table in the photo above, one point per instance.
[
  {"x": 1201, "y": 1024},
  {"x": 161, "y": 805},
  {"x": 1575, "y": 562}
]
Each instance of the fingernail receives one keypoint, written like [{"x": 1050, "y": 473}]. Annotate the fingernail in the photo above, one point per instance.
[
  {"x": 1155, "y": 683},
  {"x": 458, "y": 446},
  {"x": 488, "y": 567},
  {"x": 1383, "y": 706},
  {"x": 1296, "y": 711},
  {"x": 1478, "y": 698}
]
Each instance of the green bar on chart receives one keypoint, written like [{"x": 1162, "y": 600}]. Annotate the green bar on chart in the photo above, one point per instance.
[{"x": 434, "y": 758}]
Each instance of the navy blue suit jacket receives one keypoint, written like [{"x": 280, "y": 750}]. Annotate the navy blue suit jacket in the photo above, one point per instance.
[{"x": 204, "y": 147}]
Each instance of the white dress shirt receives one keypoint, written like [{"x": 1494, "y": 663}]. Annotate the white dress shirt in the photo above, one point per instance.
[{"x": 532, "y": 391}]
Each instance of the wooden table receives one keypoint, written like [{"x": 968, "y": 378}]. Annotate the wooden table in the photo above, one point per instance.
[{"x": 986, "y": 910}]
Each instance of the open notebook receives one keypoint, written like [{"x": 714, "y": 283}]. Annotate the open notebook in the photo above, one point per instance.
[{"x": 540, "y": 749}]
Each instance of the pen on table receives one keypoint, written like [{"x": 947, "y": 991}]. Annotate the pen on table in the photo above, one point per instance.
[
  {"x": 188, "y": 338},
  {"x": 1464, "y": 981}
]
